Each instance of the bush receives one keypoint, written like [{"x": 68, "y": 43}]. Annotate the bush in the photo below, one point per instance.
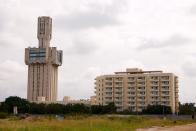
[
  {"x": 3, "y": 115},
  {"x": 186, "y": 109},
  {"x": 42, "y": 108},
  {"x": 157, "y": 109}
]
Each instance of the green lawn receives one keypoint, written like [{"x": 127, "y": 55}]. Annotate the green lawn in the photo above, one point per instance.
[{"x": 85, "y": 123}]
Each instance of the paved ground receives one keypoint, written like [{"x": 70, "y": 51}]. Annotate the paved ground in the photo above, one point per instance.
[{"x": 189, "y": 127}]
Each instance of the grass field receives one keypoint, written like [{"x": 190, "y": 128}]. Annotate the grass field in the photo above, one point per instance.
[{"x": 85, "y": 123}]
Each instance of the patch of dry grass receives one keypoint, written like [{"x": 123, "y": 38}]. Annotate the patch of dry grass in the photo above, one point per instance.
[{"x": 85, "y": 123}]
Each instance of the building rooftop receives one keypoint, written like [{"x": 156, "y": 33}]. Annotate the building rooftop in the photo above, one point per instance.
[{"x": 137, "y": 71}]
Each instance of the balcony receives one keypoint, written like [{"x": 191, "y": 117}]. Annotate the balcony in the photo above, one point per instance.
[
  {"x": 141, "y": 85},
  {"x": 117, "y": 100},
  {"x": 131, "y": 89},
  {"x": 131, "y": 85},
  {"x": 141, "y": 89},
  {"x": 164, "y": 89},
  {"x": 108, "y": 79},
  {"x": 164, "y": 99},
  {"x": 131, "y": 100},
  {"x": 141, "y": 80},
  {"x": 132, "y": 93},
  {"x": 154, "y": 100},
  {"x": 108, "y": 90},
  {"x": 154, "y": 93},
  {"x": 118, "y": 104},
  {"x": 141, "y": 100},
  {"x": 163, "y": 94},
  {"x": 131, "y": 78},
  {"x": 118, "y": 95},
  {"x": 108, "y": 85},
  {"x": 141, "y": 94},
  {"x": 155, "y": 80},
  {"x": 132, "y": 103}
]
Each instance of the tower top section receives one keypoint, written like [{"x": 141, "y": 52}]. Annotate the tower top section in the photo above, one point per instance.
[{"x": 44, "y": 31}]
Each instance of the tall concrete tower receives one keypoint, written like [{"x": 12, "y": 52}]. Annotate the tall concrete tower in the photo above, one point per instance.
[{"x": 43, "y": 65}]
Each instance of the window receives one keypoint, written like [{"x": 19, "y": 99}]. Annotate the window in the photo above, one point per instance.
[
  {"x": 142, "y": 93},
  {"x": 131, "y": 78},
  {"x": 141, "y": 78},
  {"x": 154, "y": 77},
  {"x": 165, "y": 82},
  {"x": 141, "y": 88},
  {"x": 154, "y": 92},
  {"x": 154, "y": 87},
  {"x": 108, "y": 83},
  {"x": 37, "y": 54},
  {"x": 165, "y": 87},
  {"x": 108, "y": 88},
  {"x": 154, "y": 82},
  {"x": 165, "y": 77},
  {"x": 108, "y": 78},
  {"x": 119, "y": 78}
]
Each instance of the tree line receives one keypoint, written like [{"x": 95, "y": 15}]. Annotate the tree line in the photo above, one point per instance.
[
  {"x": 24, "y": 106},
  {"x": 40, "y": 108}
]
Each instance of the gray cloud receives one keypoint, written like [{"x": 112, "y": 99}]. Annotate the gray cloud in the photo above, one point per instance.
[
  {"x": 96, "y": 15},
  {"x": 11, "y": 73},
  {"x": 84, "y": 20},
  {"x": 173, "y": 41},
  {"x": 189, "y": 68},
  {"x": 193, "y": 10},
  {"x": 81, "y": 46}
]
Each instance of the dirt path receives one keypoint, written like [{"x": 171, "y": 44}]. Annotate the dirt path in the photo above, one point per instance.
[{"x": 189, "y": 127}]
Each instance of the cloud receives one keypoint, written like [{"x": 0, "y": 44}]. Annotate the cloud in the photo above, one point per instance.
[
  {"x": 174, "y": 41},
  {"x": 189, "y": 68},
  {"x": 193, "y": 10},
  {"x": 84, "y": 20},
  {"x": 92, "y": 14},
  {"x": 81, "y": 46},
  {"x": 9, "y": 69},
  {"x": 11, "y": 75}
]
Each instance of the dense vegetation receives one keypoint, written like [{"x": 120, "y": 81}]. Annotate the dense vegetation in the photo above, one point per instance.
[
  {"x": 34, "y": 108},
  {"x": 187, "y": 108},
  {"x": 157, "y": 109}
]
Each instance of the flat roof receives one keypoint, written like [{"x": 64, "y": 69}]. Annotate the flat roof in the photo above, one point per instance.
[{"x": 139, "y": 72}]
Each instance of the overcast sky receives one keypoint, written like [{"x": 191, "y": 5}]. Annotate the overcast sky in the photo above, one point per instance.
[{"x": 100, "y": 37}]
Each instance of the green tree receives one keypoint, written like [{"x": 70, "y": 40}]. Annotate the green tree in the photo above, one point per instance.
[
  {"x": 22, "y": 104},
  {"x": 186, "y": 108},
  {"x": 54, "y": 109},
  {"x": 96, "y": 109},
  {"x": 3, "y": 107},
  {"x": 37, "y": 108},
  {"x": 157, "y": 109},
  {"x": 110, "y": 108}
]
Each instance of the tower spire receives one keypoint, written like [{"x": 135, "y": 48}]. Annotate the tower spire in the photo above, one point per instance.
[{"x": 44, "y": 31}]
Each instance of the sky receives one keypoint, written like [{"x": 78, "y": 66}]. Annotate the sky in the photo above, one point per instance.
[{"x": 100, "y": 37}]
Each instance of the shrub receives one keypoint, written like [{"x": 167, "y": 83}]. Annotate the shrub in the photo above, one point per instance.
[
  {"x": 157, "y": 109},
  {"x": 3, "y": 115}
]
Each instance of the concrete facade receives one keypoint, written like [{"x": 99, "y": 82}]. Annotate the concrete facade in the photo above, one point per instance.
[
  {"x": 43, "y": 65},
  {"x": 135, "y": 89}
]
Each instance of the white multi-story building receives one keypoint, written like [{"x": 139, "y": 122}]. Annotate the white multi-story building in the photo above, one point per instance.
[{"x": 135, "y": 89}]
